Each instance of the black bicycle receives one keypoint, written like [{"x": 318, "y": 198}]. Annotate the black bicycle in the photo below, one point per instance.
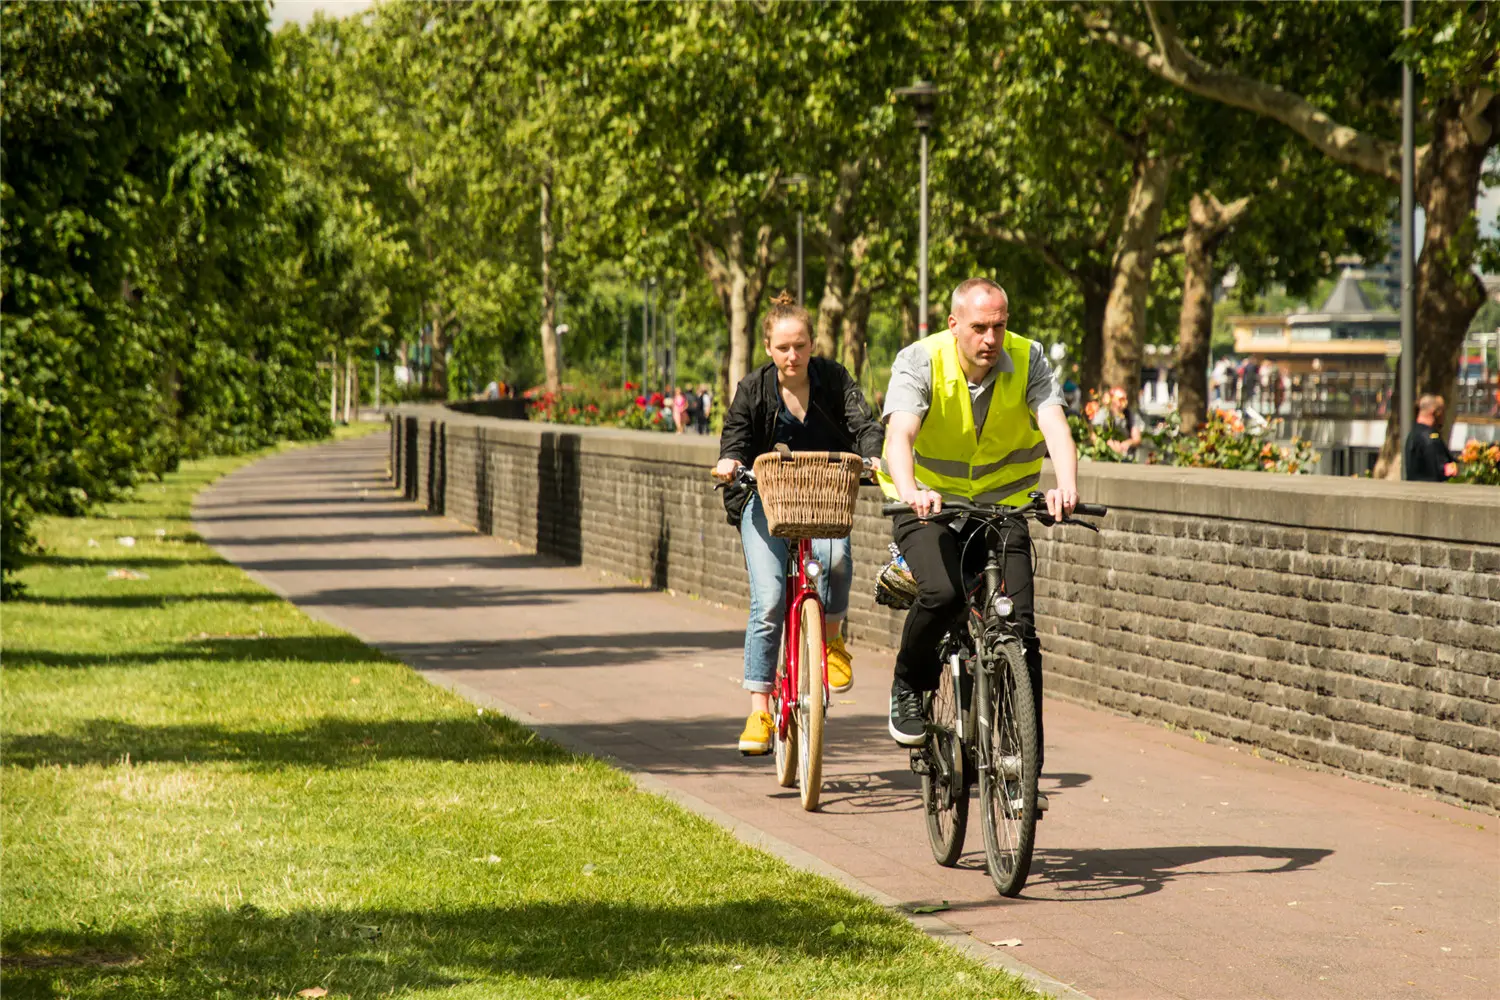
[{"x": 981, "y": 720}]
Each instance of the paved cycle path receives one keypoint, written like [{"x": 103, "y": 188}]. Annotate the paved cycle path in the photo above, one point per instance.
[{"x": 1166, "y": 868}]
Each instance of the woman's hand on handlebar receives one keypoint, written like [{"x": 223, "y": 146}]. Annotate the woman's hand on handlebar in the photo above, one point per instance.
[
  {"x": 725, "y": 470},
  {"x": 922, "y": 502}
]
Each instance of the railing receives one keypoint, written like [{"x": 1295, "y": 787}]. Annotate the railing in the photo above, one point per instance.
[{"x": 1355, "y": 396}]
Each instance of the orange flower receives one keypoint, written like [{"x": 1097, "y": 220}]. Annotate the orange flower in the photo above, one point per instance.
[
  {"x": 1493, "y": 454},
  {"x": 1090, "y": 409},
  {"x": 1470, "y": 452}
]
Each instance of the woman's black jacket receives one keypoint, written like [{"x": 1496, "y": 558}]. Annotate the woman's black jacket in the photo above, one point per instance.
[{"x": 750, "y": 425}]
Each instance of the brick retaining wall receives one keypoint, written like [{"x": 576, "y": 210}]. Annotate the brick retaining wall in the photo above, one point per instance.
[{"x": 1345, "y": 623}]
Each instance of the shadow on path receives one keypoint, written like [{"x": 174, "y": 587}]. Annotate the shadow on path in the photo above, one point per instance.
[
  {"x": 614, "y": 649},
  {"x": 1084, "y": 876}
]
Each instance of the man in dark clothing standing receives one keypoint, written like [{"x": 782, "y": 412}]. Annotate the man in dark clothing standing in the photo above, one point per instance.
[{"x": 1426, "y": 458}]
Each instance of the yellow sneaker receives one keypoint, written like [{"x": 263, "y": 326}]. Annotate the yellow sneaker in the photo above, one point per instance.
[
  {"x": 840, "y": 666},
  {"x": 756, "y": 739}
]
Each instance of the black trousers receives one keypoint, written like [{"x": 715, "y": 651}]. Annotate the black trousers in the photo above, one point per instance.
[{"x": 939, "y": 558}]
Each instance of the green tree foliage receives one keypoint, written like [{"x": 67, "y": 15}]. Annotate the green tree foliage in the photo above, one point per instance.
[{"x": 148, "y": 304}]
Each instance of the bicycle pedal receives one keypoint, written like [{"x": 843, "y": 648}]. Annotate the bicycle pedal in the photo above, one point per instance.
[{"x": 918, "y": 761}]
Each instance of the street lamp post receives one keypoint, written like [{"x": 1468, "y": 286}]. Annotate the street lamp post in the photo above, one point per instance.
[
  {"x": 923, "y": 96},
  {"x": 1408, "y": 376},
  {"x": 645, "y": 329},
  {"x": 797, "y": 180}
]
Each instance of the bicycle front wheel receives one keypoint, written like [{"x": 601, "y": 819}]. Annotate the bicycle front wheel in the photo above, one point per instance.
[
  {"x": 784, "y": 725},
  {"x": 810, "y": 673},
  {"x": 945, "y": 790},
  {"x": 1008, "y": 769}
]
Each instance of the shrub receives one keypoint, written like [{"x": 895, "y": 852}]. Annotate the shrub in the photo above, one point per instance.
[
  {"x": 1479, "y": 463},
  {"x": 1224, "y": 443}
]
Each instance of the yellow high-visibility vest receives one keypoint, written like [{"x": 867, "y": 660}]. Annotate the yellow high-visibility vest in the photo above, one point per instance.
[{"x": 999, "y": 465}]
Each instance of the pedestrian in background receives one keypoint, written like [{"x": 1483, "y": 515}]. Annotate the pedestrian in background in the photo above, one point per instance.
[
  {"x": 1426, "y": 458},
  {"x": 705, "y": 408},
  {"x": 679, "y": 410}
]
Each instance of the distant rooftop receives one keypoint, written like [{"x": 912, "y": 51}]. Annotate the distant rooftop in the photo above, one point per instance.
[{"x": 1347, "y": 297}]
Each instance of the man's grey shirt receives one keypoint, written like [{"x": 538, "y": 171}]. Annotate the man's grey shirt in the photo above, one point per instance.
[{"x": 910, "y": 390}]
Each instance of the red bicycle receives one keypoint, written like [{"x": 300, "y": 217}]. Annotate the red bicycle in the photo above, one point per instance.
[{"x": 799, "y": 692}]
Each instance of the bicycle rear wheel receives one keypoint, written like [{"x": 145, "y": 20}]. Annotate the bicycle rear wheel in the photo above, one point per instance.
[
  {"x": 810, "y": 706},
  {"x": 945, "y": 789},
  {"x": 783, "y": 737},
  {"x": 1008, "y": 768}
]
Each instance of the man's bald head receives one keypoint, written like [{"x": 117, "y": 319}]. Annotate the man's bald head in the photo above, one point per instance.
[{"x": 970, "y": 289}]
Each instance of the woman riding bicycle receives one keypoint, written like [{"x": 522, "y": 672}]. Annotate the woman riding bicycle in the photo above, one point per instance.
[{"x": 806, "y": 404}]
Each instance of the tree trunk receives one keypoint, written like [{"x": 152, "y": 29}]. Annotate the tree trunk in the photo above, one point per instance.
[
  {"x": 1095, "y": 292},
  {"x": 438, "y": 370},
  {"x": 739, "y": 280},
  {"x": 831, "y": 308},
  {"x": 857, "y": 316},
  {"x": 909, "y": 326},
  {"x": 835, "y": 254},
  {"x": 1208, "y": 222},
  {"x": 1449, "y": 293},
  {"x": 549, "y": 290},
  {"x": 1125, "y": 312}
]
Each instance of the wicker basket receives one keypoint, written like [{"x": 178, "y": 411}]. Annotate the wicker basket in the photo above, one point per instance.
[{"x": 808, "y": 494}]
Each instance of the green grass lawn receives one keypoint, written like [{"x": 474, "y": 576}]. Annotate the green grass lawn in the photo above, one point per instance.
[{"x": 208, "y": 794}]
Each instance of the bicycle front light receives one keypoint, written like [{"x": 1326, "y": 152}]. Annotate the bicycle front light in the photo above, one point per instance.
[
  {"x": 1003, "y": 606},
  {"x": 813, "y": 569}
]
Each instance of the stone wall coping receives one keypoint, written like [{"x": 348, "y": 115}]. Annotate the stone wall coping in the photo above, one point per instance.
[{"x": 1431, "y": 511}]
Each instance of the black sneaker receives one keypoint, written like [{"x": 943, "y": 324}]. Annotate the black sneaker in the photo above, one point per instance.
[{"x": 908, "y": 727}]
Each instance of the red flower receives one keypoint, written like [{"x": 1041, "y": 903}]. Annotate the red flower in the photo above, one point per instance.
[
  {"x": 573, "y": 411},
  {"x": 591, "y": 408},
  {"x": 629, "y": 386},
  {"x": 657, "y": 399},
  {"x": 640, "y": 401}
]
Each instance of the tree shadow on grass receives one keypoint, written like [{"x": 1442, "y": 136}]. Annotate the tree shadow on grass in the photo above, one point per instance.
[
  {"x": 121, "y": 601},
  {"x": 227, "y": 649},
  {"x": 128, "y": 562},
  {"x": 377, "y": 951},
  {"x": 330, "y": 742}
]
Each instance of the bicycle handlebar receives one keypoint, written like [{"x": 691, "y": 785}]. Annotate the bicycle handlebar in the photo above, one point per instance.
[{"x": 1038, "y": 508}]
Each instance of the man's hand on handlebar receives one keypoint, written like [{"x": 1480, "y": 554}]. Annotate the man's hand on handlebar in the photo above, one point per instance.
[
  {"x": 1060, "y": 502},
  {"x": 725, "y": 470},
  {"x": 922, "y": 502}
]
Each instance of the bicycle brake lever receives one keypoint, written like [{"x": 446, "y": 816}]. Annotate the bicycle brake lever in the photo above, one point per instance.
[{"x": 1082, "y": 524}]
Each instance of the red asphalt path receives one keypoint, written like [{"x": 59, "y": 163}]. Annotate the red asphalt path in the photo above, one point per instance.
[{"x": 1166, "y": 867}]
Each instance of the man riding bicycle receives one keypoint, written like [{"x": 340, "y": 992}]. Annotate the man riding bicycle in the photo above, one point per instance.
[{"x": 970, "y": 412}]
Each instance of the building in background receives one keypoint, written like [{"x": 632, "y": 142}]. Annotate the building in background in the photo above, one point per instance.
[{"x": 1347, "y": 333}]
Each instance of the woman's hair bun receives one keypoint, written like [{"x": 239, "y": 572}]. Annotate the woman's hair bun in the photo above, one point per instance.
[{"x": 784, "y": 299}]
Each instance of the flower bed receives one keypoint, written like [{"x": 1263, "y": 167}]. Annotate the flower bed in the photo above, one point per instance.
[
  {"x": 601, "y": 407},
  {"x": 1221, "y": 443}
]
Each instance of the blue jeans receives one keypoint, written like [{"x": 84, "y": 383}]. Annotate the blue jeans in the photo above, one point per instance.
[{"x": 765, "y": 559}]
